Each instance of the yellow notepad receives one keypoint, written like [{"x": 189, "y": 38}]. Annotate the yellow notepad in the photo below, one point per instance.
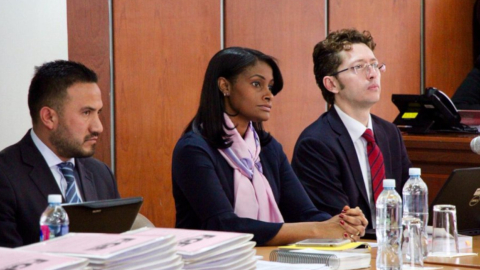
[{"x": 350, "y": 247}]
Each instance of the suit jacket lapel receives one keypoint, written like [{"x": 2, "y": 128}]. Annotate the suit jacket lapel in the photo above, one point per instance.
[
  {"x": 346, "y": 142},
  {"x": 87, "y": 186},
  {"x": 40, "y": 173}
]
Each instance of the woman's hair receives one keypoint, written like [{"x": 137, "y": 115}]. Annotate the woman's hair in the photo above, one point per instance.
[{"x": 228, "y": 63}]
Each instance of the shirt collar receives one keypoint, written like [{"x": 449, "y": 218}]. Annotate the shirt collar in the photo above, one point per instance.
[
  {"x": 355, "y": 129},
  {"x": 47, "y": 153}
]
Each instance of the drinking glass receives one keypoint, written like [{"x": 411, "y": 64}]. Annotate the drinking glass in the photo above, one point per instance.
[
  {"x": 444, "y": 235},
  {"x": 412, "y": 242}
]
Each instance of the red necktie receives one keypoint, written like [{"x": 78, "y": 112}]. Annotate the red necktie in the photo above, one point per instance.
[{"x": 375, "y": 159}]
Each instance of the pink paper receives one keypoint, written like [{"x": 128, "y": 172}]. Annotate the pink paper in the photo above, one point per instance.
[
  {"x": 195, "y": 240},
  {"x": 20, "y": 259}
]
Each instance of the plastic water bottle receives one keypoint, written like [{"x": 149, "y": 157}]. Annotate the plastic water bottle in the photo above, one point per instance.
[
  {"x": 415, "y": 203},
  {"x": 54, "y": 220},
  {"x": 389, "y": 227}
]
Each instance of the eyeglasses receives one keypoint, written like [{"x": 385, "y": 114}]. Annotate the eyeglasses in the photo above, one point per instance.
[{"x": 363, "y": 68}]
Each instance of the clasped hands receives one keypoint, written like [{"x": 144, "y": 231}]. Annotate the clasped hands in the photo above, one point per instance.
[{"x": 354, "y": 223}]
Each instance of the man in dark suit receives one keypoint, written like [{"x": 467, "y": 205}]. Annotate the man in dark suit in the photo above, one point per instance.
[
  {"x": 337, "y": 158},
  {"x": 467, "y": 95},
  {"x": 64, "y": 102}
]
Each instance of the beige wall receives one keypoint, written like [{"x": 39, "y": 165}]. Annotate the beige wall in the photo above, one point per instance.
[{"x": 32, "y": 32}]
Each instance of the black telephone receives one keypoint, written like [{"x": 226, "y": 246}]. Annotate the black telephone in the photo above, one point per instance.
[{"x": 427, "y": 113}]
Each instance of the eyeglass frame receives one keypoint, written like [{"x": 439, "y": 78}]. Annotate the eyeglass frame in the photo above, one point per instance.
[{"x": 380, "y": 66}]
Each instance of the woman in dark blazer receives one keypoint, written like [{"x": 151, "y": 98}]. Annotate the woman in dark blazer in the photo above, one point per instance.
[{"x": 230, "y": 175}]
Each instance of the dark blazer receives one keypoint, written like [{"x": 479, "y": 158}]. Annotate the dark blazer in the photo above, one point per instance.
[
  {"x": 25, "y": 183},
  {"x": 467, "y": 96},
  {"x": 203, "y": 189},
  {"x": 326, "y": 163}
]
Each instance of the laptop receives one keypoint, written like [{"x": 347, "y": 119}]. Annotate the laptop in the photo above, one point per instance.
[
  {"x": 106, "y": 216},
  {"x": 462, "y": 189}
]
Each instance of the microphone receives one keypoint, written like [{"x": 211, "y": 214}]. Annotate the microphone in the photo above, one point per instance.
[{"x": 475, "y": 145}]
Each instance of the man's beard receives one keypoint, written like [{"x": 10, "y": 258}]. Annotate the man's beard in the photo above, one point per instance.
[{"x": 67, "y": 147}]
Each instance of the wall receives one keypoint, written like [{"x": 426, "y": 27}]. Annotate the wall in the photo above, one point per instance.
[
  {"x": 395, "y": 26},
  {"x": 161, "y": 51},
  {"x": 300, "y": 25},
  {"x": 89, "y": 43},
  {"x": 449, "y": 46},
  {"x": 33, "y": 32}
]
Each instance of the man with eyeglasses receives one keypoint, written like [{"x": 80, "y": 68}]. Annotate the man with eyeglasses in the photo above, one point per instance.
[{"x": 343, "y": 157}]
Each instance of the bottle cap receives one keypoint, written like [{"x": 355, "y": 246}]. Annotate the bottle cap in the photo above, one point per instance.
[
  {"x": 414, "y": 171},
  {"x": 389, "y": 183},
  {"x": 54, "y": 198}
]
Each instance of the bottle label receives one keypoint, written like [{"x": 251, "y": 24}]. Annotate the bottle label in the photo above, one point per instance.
[
  {"x": 49, "y": 232},
  {"x": 64, "y": 229},
  {"x": 44, "y": 233}
]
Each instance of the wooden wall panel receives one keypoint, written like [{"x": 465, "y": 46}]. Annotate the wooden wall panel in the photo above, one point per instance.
[
  {"x": 287, "y": 30},
  {"x": 395, "y": 27},
  {"x": 161, "y": 51},
  {"x": 88, "y": 43},
  {"x": 448, "y": 43}
]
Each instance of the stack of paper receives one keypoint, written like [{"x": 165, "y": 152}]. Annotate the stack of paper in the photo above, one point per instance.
[
  {"x": 209, "y": 249},
  {"x": 20, "y": 259},
  {"x": 115, "y": 251}
]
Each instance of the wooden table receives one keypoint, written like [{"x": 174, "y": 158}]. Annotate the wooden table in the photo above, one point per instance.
[
  {"x": 438, "y": 155},
  {"x": 470, "y": 262}
]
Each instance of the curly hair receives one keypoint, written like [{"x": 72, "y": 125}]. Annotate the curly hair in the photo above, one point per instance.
[{"x": 326, "y": 55}]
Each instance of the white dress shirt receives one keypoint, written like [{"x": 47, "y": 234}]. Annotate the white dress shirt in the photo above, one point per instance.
[
  {"x": 355, "y": 130},
  {"x": 52, "y": 161}
]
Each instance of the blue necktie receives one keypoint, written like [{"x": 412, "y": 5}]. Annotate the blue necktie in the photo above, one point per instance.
[{"x": 71, "y": 195}]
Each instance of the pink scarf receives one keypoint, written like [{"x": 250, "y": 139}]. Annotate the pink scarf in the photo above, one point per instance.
[{"x": 253, "y": 194}]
